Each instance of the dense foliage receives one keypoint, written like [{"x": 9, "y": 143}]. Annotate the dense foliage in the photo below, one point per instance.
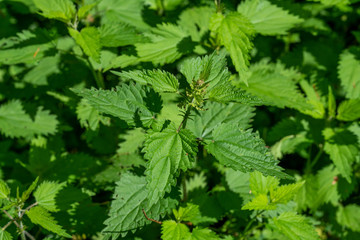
[{"x": 173, "y": 119}]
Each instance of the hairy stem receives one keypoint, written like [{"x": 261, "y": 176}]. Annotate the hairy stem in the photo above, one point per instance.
[
  {"x": 160, "y": 7},
  {"x": 186, "y": 116},
  {"x": 248, "y": 228},
  {"x": 150, "y": 219},
  {"x": 8, "y": 224},
  {"x": 97, "y": 76}
]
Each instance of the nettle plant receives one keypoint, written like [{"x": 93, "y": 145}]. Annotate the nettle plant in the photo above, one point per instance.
[
  {"x": 186, "y": 140},
  {"x": 214, "y": 119}
]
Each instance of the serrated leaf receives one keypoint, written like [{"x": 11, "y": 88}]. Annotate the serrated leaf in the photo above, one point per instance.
[
  {"x": 168, "y": 43},
  {"x": 349, "y": 74},
  {"x": 260, "y": 202},
  {"x": 171, "y": 230},
  {"x": 260, "y": 184},
  {"x": 319, "y": 189},
  {"x": 276, "y": 85},
  {"x": 235, "y": 32},
  {"x": 188, "y": 213},
  {"x": 268, "y": 19},
  {"x": 349, "y": 110},
  {"x": 294, "y": 226},
  {"x": 85, "y": 9},
  {"x": 63, "y": 10},
  {"x": 133, "y": 140},
  {"x": 168, "y": 151},
  {"x": 120, "y": 34},
  {"x": 89, "y": 117},
  {"x": 45, "y": 68},
  {"x": 4, "y": 190},
  {"x": 238, "y": 182},
  {"x": 46, "y": 193},
  {"x": 89, "y": 40},
  {"x": 349, "y": 216},
  {"x": 285, "y": 193},
  {"x": 14, "y": 122},
  {"x": 126, "y": 213},
  {"x": 39, "y": 215},
  {"x": 211, "y": 69},
  {"x": 4, "y": 235},
  {"x": 343, "y": 152},
  {"x": 26, "y": 194},
  {"x": 195, "y": 21},
  {"x": 242, "y": 150},
  {"x": 204, "y": 122},
  {"x": 202, "y": 234},
  {"x": 132, "y": 103},
  {"x": 130, "y": 12},
  {"x": 161, "y": 81}
]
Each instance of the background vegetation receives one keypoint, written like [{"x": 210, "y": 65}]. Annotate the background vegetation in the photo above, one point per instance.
[{"x": 260, "y": 100}]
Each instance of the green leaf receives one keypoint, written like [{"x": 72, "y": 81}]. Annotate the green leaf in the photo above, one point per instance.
[
  {"x": 4, "y": 235},
  {"x": 89, "y": 40},
  {"x": 242, "y": 150},
  {"x": 260, "y": 202},
  {"x": 202, "y": 234},
  {"x": 189, "y": 213},
  {"x": 168, "y": 43},
  {"x": 26, "y": 54},
  {"x": 131, "y": 103},
  {"x": 63, "y": 10},
  {"x": 14, "y": 122},
  {"x": 119, "y": 34},
  {"x": 4, "y": 190},
  {"x": 285, "y": 193},
  {"x": 319, "y": 189},
  {"x": 39, "y": 215},
  {"x": 238, "y": 182},
  {"x": 161, "y": 81},
  {"x": 195, "y": 21},
  {"x": 45, "y": 195},
  {"x": 133, "y": 140},
  {"x": 339, "y": 3},
  {"x": 349, "y": 74},
  {"x": 85, "y": 9},
  {"x": 168, "y": 151},
  {"x": 46, "y": 67},
  {"x": 126, "y": 213},
  {"x": 341, "y": 145},
  {"x": 260, "y": 184},
  {"x": 235, "y": 32},
  {"x": 349, "y": 216},
  {"x": 294, "y": 226},
  {"x": 130, "y": 12},
  {"x": 268, "y": 19},
  {"x": 171, "y": 230},
  {"x": 204, "y": 122},
  {"x": 349, "y": 110},
  {"x": 26, "y": 194},
  {"x": 276, "y": 85},
  {"x": 89, "y": 116}
]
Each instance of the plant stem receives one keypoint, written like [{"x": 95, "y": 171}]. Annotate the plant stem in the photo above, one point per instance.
[
  {"x": 28, "y": 208},
  {"x": 186, "y": 116},
  {"x": 318, "y": 155},
  {"x": 8, "y": 224},
  {"x": 23, "y": 236},
  {"x": 247, "y": 228},
  {"x": 185, "y": 196},
  {"x": 160, "y": 7},
  {"x": 150, "y": 219},
  {"x": 97, "y": 76}
]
